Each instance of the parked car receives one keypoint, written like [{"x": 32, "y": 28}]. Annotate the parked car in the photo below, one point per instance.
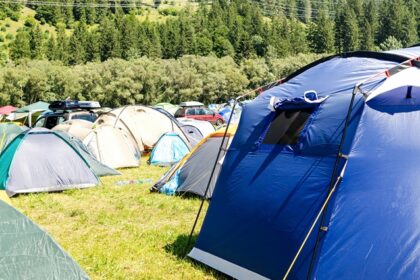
[
  {"x": 61, "y": 111},
  {"x": 200, "y": 113}
]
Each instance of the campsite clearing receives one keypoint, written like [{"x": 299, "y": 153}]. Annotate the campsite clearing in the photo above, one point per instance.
[{"x": 121, "y": 231}]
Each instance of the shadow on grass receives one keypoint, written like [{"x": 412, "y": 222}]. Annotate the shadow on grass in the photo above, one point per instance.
[{"x": 180, "y": 248}]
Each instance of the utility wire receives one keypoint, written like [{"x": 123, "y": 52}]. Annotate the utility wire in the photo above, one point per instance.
[{"x": 104, "y": 4}]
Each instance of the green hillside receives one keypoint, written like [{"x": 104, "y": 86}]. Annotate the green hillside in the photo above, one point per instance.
[{"x": 176, "y": 50}]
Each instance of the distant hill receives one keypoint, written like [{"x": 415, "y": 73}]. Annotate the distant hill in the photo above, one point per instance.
[{"x": 79, "y": 31}]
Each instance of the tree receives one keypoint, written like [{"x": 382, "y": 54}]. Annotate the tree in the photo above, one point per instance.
[
  {"x": 129, "y": 47},
  {"x": 21, "y": 48},
  {"x": 346, "y": 31},
  {"x": 92, "y": 46},
  {"x": 36, "y": 41},
  {"x": 321, "y": 34},
  {"x": 52, "y": 48},
  {"x": 370, "y": 25},
  {"x": 391, "y": 43},
  {"x": 78, "y": 44},
  {"x": 62, "y": 43},
  {"x": 108, "y": 40}
]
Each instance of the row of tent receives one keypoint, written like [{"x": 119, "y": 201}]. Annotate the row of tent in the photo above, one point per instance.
[
  {"x": 75, "y": 153},
  {"x": 38, "y": 159},
  {"x": 322, "y": 178},
  {"x": 119, "y": 137}
]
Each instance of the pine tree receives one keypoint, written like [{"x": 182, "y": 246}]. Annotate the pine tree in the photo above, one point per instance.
[
  {"x": 36, "y": 42},
  {"x": 392, "y": 17},
  {"x": 62, "y": 43},
  {"x": 156, "y": 48},
  {"x": 68, "y": 13},
  {"x": 188, "y": 44},
  {"x": 298, "y": 37},
  {"x": 92, "y": 46},
  {"x": 20, "y": 47},
  {"x": 408, "y": 32},
  {"x": 172, "y": 39},
  {"x": 370, "y": 26},
  {"x": 109, "y": 42},
  {"x": 52, "y": 48},
  {"x": 129, "y": 47},
  {"x": 305, "y": 10},
  {"x": 346, "y": 31},
  {"x": 77, "y": 44},
  {"x": 321, "y": 34}
]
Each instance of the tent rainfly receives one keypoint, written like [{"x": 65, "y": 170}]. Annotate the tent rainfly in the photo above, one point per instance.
[
  {"x": 28, "y": 111},
  {"x": 192, "y": 173},
  {"x": 77, "y": 128},
  {"x": 40, "y": 160},
  {"x": 170, "y": 108},
  {"x": 7, "y": 110},
  {"x": 28, "y": 252},
  {"x": 97, "y": 167},
  {"x": 146, "y": 125},
  {"x": 113, "y": 147},
  {"x": 322, "y": 178},
  {"x": 195, "y": 130},
  {"x": 169, "y": 149}
]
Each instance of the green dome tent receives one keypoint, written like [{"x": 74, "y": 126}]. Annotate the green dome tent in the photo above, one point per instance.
[
  {"x": 29, "y": 112},
  {"x": 28, "y": 252},
  {"x": 40, "y": 160}
]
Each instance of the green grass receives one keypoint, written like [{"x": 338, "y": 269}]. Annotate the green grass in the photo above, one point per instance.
[{"x": 121, "y": 232}]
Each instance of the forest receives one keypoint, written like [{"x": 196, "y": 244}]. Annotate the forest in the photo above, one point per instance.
[{"x": 205, "y": 50}]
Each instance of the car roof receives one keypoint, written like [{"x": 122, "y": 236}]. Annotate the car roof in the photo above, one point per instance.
[{"x": 191, "y": 104}]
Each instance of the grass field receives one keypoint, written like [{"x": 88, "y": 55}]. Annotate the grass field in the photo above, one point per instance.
[{"x": 121, "y": 232}]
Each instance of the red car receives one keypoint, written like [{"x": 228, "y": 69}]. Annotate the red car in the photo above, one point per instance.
[{"x": 200, "y": 113}]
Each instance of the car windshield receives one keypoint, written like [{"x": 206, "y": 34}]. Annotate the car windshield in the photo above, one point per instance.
[
  {"x": 200, "y": 111},
  {"x": 86, "y": 117},
  {"x": 191, "y": 112}
]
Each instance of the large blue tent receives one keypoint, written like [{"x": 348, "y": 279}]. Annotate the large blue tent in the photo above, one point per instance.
[{"x": 289, "y": 152}]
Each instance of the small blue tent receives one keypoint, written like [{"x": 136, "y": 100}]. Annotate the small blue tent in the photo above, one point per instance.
[
  {"x": 169, "y": 149},
  {"x": 290, "y": 152}
]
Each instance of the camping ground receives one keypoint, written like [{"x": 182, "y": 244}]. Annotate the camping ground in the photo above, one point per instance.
[{"x": 121, "y": 231}]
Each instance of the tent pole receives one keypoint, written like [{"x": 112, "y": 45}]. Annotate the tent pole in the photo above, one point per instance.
[
  {"x": 320, "y": 213},
  {"x": 210, "y": 179},
  {"x": 332, "y": 187},
  {"x": 30, "y": 119},
  {"x": 333, "y": 175},
  {"x": 258, "y": 90}
]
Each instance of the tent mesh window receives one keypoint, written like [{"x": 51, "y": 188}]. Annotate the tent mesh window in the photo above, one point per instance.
[{"x": 287, "y": 126}]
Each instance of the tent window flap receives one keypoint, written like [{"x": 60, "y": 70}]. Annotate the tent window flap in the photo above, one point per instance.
[{"x": 287, "y": 125}]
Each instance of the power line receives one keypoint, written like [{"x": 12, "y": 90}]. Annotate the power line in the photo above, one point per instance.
[
  {"x": 103, "y": 4},
  {"x": 267, "y": 8}
]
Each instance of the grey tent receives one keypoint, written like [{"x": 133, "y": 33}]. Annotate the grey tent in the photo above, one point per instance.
[
  {"x": 195, "y": 130},
  {"x": 192, "y": 173},
  {"x": 98, "y": 167},
  {"x": 40, "y": 160},
  {"x": 27, "y": 252}
]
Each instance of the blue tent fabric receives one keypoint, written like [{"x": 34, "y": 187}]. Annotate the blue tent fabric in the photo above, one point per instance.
[
  {"x": 267, "y": 196},
  {"x": 169, "y": 149},
  {"x": 374, "y": 226}
]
